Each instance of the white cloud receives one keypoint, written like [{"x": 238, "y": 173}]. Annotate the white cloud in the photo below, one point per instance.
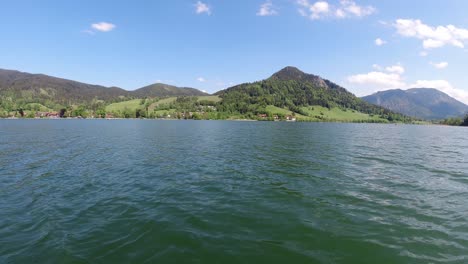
[
  {"x": 432, "y": 37},
  {"x": 201, "y": 79},
  {"x": 377, "y": 67},
  {"x": 440, "y": 65},
  {"x": 379, "y": 79},
  {"x": 423, "y": 53},
  {"x": 322, "y": 9},
  {"x": 339, "y": 13},
  {"x": 318, "y": 9},
  {"x": 267, "y": 9},
  {"x": 432, "y": 44},
  {"x": 303, "y": 3},
  {"x": 398, "y": 69},
  {"x": 103, "y": 26},
  {"x": 352, "y": 8},
  {"x": 382, "y": 78},
  {"x": 201, "y": 8},
  {"x": 380, "y": 42}
]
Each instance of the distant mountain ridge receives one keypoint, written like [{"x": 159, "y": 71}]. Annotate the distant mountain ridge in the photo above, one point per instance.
[
  {"x": 287, "y": 94},
  {"x": 425, "y": 103},
  {"x": 27, "y": 86},
  {"x": 161, "y": 89}
]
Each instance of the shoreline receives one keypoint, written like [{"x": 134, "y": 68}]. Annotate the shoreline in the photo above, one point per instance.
[{"x": 424, "y": 123}]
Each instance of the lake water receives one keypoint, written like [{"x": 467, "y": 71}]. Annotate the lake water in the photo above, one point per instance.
[{"x": 145, "y": 191}]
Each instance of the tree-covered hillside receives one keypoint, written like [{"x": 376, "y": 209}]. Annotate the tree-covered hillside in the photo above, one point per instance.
[
  {"x": 165, "y": 90},
  {"x": 19, "y": 90},
  {"x": 289, "y": 94},
  {"x": 293, "y": 89}
]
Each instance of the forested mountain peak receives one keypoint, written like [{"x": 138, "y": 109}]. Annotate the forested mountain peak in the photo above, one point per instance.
[
  {"x": 292, "y": 89},
  {"x": 292, "y": 73}
]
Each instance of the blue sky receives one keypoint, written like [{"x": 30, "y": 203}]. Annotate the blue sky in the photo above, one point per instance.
[{"x": 362, "y": 45}]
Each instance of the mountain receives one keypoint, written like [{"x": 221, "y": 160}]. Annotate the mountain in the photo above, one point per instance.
[
  {"x": 160, "y": 90},
  {"x": 286, "y": 95},
  {"x": 293, "y": 73},
  {"x": 39, "y": 88},
  {"x": 425, "y": 103},
  {"x": 292, "y": 89}
]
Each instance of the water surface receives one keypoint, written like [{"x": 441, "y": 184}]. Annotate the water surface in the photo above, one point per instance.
[{"x": 145, "y": 191}]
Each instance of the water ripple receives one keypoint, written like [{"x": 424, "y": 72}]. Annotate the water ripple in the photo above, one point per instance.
[{"x": 141, "y": 191}]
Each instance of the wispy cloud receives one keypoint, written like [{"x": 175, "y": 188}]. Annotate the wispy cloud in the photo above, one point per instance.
[
  {"x": 350, "y": 8},
  {"x": 380, "y": 42},
  {"x": 440, "y": 65},
  {"x": 267, "y": 9},
  {"x": 103, "y": 26},
  {"x": 201, "y": 79},
  {"x": 398, "y": 69},
  {"x": 322, "y": 9},
  {"x": 89, "y": 31},
  {"x": 202, "y": 8},
  {"x": 432, "y": 37}
]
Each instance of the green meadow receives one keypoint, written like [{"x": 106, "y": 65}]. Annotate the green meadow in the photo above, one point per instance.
[
  {"x": 336, "y": 114},
  {"x": 320, "y": 113},
  {"x": 131, "y": 105}
]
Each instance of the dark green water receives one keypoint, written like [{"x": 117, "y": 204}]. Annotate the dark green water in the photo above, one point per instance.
[{"x": 137, "y": 191}]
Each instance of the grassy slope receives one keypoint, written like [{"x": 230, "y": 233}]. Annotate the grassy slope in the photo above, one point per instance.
[
  {"x": 319, "y": 113},
  {"x": 314, "y": 113},
  {"x": 131, "y": 105},
  {"x": 282, "y": 111},
  {"x": 276, "y": 110},
  {"x": 160, "y": 102},
  {"x": 212, "y": 98}
]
